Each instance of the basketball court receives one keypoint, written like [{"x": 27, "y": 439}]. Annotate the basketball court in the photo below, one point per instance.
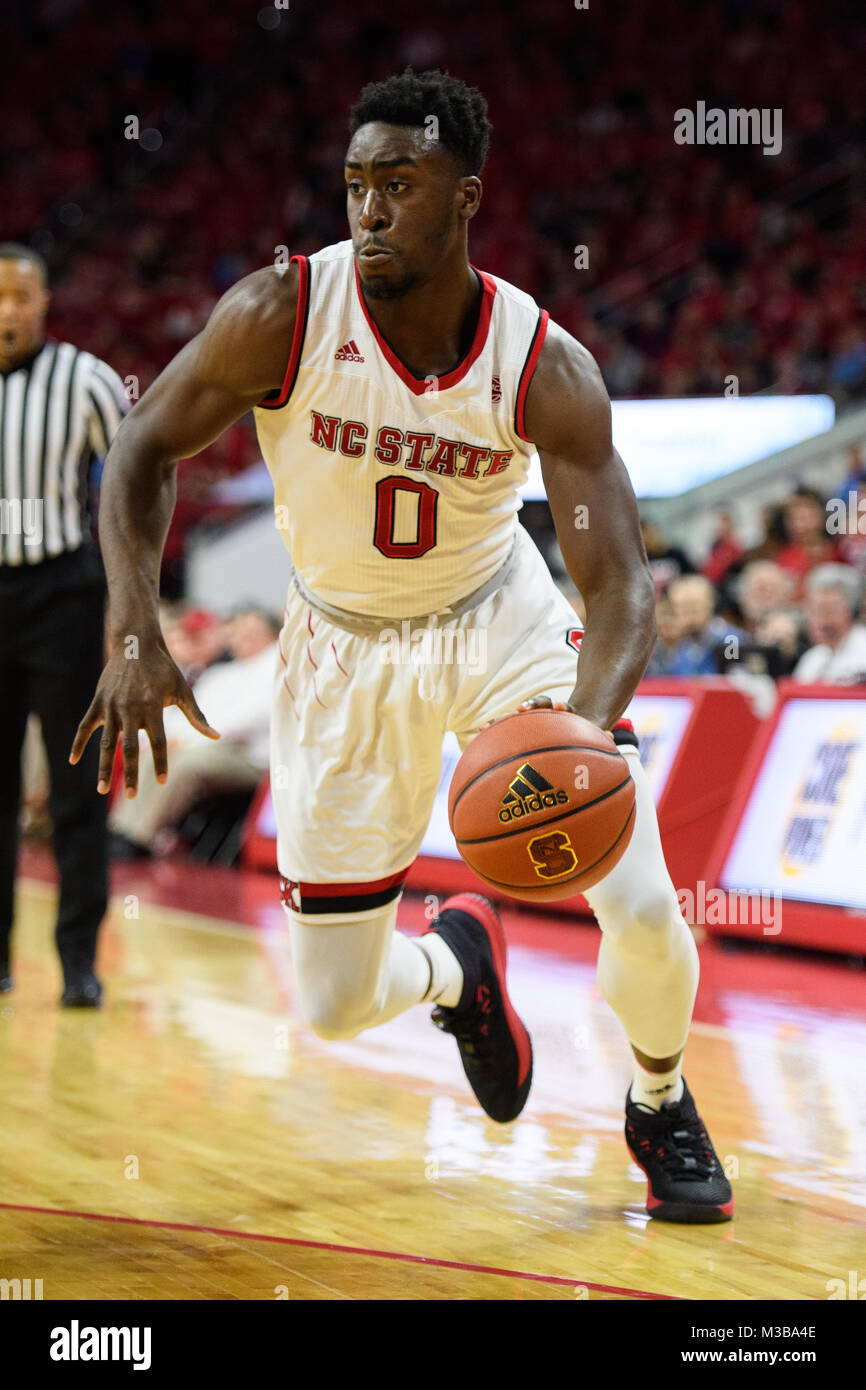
[{"x": 195, "y": 1141}]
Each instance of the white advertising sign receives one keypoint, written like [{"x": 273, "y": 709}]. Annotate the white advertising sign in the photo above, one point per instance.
[{"x": 803, "y": 833}]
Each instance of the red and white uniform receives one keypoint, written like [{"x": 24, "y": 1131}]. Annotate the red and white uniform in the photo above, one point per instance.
[
  {"x": 397, "y": 495},
  {"x": 398, "y": 501},
  {"x": 398, "y": 498}
]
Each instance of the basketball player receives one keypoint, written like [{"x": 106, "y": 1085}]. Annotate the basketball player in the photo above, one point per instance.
[{"x": 399, "y": 396}]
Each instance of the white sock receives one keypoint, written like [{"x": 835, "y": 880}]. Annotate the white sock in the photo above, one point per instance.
[
  {"x": 655, "y": 1088},
  {"x": 446, "y": 972}
]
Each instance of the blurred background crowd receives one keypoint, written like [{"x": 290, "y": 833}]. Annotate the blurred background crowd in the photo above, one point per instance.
[
  {"x": 214, "y": 139},
  {"x": 697, "y": 262},
  {"x": 790, "y": 605}
]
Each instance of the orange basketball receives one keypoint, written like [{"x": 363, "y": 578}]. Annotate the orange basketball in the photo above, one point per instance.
[{"x": 542, "y": 805}]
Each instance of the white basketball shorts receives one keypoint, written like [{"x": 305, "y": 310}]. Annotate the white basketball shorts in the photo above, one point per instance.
[{"x": 359, "y": 718}]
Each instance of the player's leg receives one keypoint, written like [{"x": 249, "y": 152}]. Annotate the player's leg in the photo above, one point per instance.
[
  {"x": 648, "y": 972},
  {"x": 354, "y": 970},
  {"x": 648, "y": 962},
  {"x": 356, "y": 760}
]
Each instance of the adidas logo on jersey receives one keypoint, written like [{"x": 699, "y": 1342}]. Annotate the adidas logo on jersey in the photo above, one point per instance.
[
  {"x": 529, "y": 792},
  {"x": 349, "y": 352},
  {"x": 496, "y": 390}
]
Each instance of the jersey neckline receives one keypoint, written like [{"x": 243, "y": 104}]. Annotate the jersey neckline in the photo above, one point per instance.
[{"x": 420, "y": 385}]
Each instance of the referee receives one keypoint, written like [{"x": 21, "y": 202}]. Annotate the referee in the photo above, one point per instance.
[{"x": 59, "y": 409}]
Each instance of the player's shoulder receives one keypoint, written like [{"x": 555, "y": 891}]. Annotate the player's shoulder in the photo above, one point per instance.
[
  {"x": 267, "y": 299},
  {"x": 567, "y": 396},
  {"x": 263, "y": 298},
  {"x": 564, "y": 362}
]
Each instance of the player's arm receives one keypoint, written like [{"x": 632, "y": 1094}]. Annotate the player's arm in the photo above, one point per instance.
[
  {"x": 596, "y": 518},
  {"x": 239, "y": 357}
]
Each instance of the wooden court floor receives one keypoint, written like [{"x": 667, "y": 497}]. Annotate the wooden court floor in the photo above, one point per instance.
[{"x": 195, "y": 1141}]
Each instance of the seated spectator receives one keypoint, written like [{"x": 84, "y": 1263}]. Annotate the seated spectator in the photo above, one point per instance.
[
  {"x": 725, "y": 551},
  {"x": 668, "y": 630},
  {"x": 703, "y": 637},
  {"x": 781, "y": 637},
  {"x": 763, "y": 588},
  {"x": 774, "y": 538},
  {"x": 235, "y": 697},
  {"x": 808, "y": 544},
  {"x": 196, "y": 641},
  {"x": 838, "y": 653},
  {"x": 772, "y": 650},
  {"x": 666, "y": 562}
]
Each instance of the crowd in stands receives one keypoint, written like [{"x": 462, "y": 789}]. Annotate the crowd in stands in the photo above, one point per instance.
[
  {"x": 792, "y": 605},
  {"x": 679, "y": 266},
  {"x": 699, "y": 262}
]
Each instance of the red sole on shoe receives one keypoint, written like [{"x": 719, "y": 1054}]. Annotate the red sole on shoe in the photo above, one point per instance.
[{"x": 682, "y": 1212}]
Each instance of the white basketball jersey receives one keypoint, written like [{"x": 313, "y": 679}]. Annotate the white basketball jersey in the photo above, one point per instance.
[{"x": 397, "y": 495}]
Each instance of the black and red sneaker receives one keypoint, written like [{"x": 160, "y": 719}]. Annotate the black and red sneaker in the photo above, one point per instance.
[
  {"x": 685, "y": 1181},
  {"x": 495, "y": 1048}
]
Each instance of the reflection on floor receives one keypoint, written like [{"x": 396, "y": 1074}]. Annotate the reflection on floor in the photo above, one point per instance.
[{"x": 195, "y": 1140}]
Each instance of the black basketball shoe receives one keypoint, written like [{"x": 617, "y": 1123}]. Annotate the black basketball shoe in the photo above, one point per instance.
[
  {"x": 685, "y": 1181},
  {"x": 495, "y": 1048}
]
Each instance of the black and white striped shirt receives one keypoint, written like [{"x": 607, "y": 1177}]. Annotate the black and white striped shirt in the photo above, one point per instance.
[{"x": 59, "y": 411}]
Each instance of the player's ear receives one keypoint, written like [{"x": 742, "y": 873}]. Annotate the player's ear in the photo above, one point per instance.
[{"x": 470, "y": 196}]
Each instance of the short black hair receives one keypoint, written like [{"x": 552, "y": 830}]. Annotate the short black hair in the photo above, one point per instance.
[
  {"x": 412, "y": 98},
  {"x": 17, "y": 251}
]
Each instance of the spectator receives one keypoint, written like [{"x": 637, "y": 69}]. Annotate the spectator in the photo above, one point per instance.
[
  {"x": 808, "y": 542},
  {"x": 703, "y": 637},
  {"x": 724, "y": 552},
  {"x": 838, "y": 656},
  {"x": 668, "y": 630},
  {"x": 779, "y": 633},
  {"x": 197, "y": 642},
  {"x": 667, "y": 562},
  {"x": 763, "y": 589},
  {"x": 236, "y": 697},
  {"x": 775, "y": 536}
]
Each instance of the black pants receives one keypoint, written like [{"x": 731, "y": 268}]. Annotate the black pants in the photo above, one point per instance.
[{"x": 51, "y": 645}]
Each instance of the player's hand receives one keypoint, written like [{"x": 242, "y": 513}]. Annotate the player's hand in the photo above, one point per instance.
[
  {"x": 545, "y": 702},
  {"x": 131, "y": 695}
]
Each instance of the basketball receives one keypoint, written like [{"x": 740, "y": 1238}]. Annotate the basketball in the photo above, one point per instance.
[{"x": 542, "y": 805}]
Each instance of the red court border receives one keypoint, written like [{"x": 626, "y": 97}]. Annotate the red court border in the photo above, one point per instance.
[{"x": 347, "y": 1250}]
